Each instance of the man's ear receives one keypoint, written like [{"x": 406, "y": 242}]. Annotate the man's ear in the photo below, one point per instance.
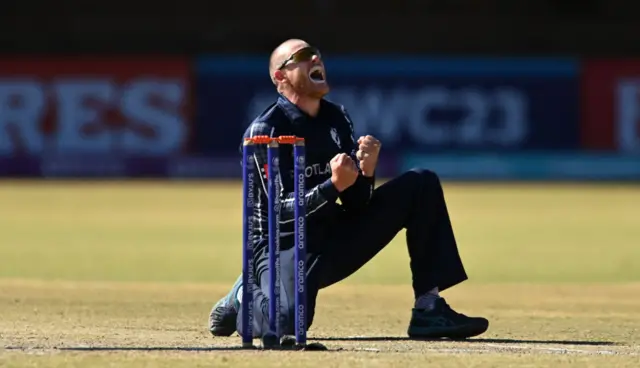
[{"x": 278, "y": 75}]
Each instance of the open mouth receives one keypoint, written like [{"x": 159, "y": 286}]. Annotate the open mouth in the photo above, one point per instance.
[{"x": 316, "y": 74}]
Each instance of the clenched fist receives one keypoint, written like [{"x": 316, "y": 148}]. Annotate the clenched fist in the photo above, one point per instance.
[
  {"x": 343, "y": 171},
  {"x": 368, "y": 152}
]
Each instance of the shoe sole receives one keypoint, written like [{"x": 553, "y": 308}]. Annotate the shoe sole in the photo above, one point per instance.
[
  {"x": 454, "y": 333},
  {"x": 225, "y": 327},
  {"x": 221, "y": 332}
]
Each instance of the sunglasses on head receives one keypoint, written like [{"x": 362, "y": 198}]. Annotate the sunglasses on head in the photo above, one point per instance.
[{"x": 302, "y": 55}]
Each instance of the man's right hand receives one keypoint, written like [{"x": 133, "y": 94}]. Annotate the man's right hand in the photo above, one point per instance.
[{"x": 343, "y": 172}]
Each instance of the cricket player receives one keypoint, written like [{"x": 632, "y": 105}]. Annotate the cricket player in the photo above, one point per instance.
[{"x": 342, "y": 237}]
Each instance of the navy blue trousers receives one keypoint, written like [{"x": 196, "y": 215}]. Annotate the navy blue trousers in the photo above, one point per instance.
[{"x": 413, "y": 201}]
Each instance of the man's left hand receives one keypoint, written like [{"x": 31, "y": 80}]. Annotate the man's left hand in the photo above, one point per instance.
[{"x": 368, "y": 151}]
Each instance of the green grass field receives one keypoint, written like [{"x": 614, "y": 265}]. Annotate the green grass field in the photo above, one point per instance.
[{"x": 124, "y": 274}]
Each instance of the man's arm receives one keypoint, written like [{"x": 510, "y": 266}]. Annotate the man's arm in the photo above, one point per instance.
[
  {"x": 360, "y": 193},
  {"x": 315, "y": 198}
]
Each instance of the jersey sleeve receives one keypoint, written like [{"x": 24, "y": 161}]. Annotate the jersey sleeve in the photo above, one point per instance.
[
  {"x": 361, "y": 191},
  {"x": 315, "y": 198}
]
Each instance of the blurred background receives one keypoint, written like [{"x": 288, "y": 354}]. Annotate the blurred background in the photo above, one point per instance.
[{"x": 474, "y": 89}]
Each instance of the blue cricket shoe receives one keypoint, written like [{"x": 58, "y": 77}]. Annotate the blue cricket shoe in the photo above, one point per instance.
[{"x": 443, "y": 322}]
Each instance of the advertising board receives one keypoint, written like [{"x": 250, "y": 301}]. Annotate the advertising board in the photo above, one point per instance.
[
  {"x": 611, "y": 105},
  {"x": 99, "y": 106},
  {"x": 418, "y": 104}
]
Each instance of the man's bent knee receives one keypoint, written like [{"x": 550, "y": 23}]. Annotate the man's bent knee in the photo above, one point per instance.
[{"x": 424, "y": 179}]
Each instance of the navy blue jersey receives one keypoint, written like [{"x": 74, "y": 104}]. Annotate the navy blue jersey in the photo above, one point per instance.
[{"x": 326, "y": 135}]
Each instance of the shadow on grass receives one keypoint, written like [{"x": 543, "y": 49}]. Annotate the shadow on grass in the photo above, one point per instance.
[
  {"x": 318, "y": 346},
  {"x": 485, "y": 341}
]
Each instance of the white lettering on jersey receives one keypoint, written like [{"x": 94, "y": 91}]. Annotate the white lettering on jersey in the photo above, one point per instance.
[{"x": 317, "y": 169}]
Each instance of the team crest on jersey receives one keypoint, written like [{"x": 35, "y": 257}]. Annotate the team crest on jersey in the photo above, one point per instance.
[{"x": 335, "y": 137}]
